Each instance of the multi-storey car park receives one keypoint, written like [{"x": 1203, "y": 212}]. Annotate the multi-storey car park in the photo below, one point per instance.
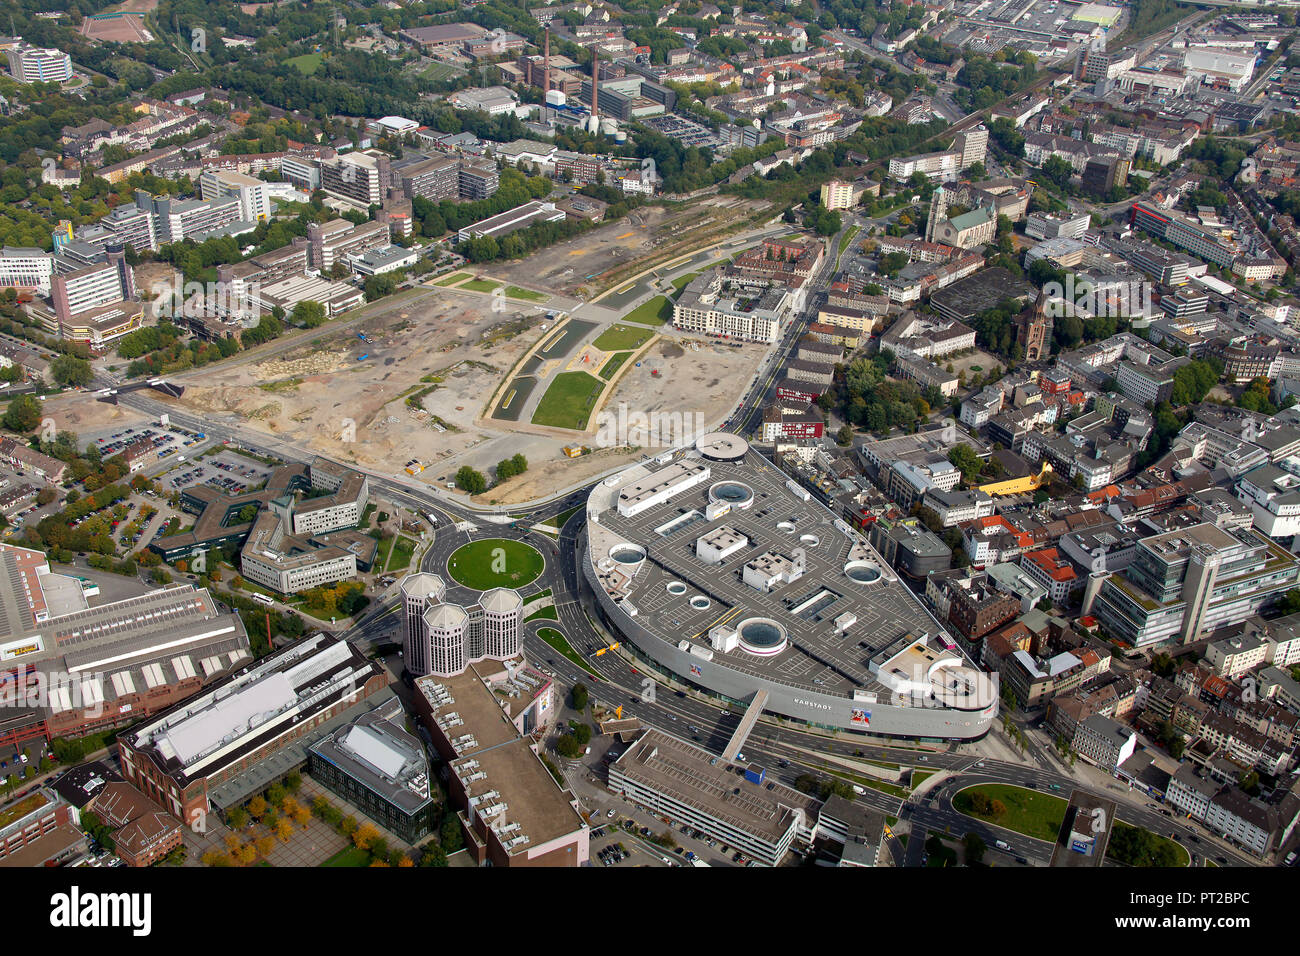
[{"x": 708, "y": 564}]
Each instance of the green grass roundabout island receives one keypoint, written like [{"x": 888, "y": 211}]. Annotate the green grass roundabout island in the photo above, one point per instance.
[{"x": 495, "y": 563}]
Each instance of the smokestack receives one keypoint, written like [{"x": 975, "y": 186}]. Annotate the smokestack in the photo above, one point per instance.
[{"x": 546, "y": 65}]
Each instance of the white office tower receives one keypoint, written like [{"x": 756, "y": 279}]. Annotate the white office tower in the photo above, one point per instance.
[
  {"x": 419, "y": 592},
  {"x": 444, "y": 639},
  {"x": 447, "y": 627},
  {"x": 503, "y": 615}
]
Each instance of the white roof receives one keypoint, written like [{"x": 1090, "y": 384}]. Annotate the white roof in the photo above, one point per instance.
[
  {"x": 398, "y": 122},
  {"x": 200, "y": 733},
  {"x": 375, "y": 750}
]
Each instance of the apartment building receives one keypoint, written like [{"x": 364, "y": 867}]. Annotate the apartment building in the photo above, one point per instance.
[
  {"x": 251, "y": 194},
  {"x": 26, "y": 269}
]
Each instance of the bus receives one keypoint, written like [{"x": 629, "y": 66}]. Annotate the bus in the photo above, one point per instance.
[{"x": 262, "y": 599}]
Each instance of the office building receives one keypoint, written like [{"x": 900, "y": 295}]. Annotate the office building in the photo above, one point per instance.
[
  {"x": 1190, "y": 582},
  {"x": 729, "y": 801},
  {"x": 443, "y": 639},
  {"x": 379, "y": 768},
  {"x": 33, "y": 64},
  {"x": 218, "y": 748},
  {"x": 485, "y": 723}
]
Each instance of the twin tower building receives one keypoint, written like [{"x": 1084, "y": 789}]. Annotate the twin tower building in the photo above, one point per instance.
[{"x": 443, "y": 639}]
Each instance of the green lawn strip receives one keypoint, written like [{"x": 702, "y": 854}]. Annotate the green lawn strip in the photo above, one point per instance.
[
  {"x": 871, "y": 782},
  {"x": 554, "y": 638},
  {"x": 849, "y": 235},
  {"x": 349, "y": 856},
  {"x": 618, "y": 338},
  {"x": 452, "y": 279},
  {"x": 515, "y": 292},
  {"x": 472, "y": 564},
  {"x": 543, "y": 614},
  {"x": 402, "y": 551},
  {"x": 536, "y": 597},
  {"x": 569, "y": 401},
  {"x": 382, "y": 553},
  {"x": 480, "y": 285},
  {"x": 613, "y": 365},
  {"x": 655, "y": 312}
]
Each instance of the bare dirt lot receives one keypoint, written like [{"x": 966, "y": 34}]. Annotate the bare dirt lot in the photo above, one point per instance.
[
  {"x": 566, "y": 268},
  {"x": 79, "y": 412},
  {"x": 445, "y": 352}
]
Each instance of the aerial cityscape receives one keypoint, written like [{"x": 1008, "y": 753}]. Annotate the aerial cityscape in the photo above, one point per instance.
[{"x": 641, "y": 435}]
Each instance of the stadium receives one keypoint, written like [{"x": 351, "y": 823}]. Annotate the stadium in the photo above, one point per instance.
[{"x": 709, "y": 564}]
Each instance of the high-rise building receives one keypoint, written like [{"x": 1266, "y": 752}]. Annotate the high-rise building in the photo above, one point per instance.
[
  {"x": 1187, "y": 583},
  {"x": 837, "y": 194},
  {"x": 33, "y": 64},
  {"x": 974, "y": 144},
  {"x": 252, "y": 194},
  {"x": 358, "y": 177},
  {"x": 443, "y": 639}
]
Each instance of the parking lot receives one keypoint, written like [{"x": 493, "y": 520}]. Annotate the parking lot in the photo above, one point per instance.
[
  {"x": 226, "y": 472},
  {"x": 170, "y": 440}
]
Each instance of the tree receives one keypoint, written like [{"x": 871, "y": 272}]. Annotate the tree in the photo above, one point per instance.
[
  {"x": 70, "y": 370},
  {"x": 471, "y": 481},
  {"x": 23, "y": 414},
  {"x": 308, "y": 314},
  {"x": 580, "y": 697},
  {"x": 967, "y": 462},
  {"x": 975, "y": 847}
]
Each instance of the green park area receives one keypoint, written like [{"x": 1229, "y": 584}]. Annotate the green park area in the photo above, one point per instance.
[
  {"x": 495, "y": 563},
  {"x": 452, "y": 279},
  {"x": 655, "y": 312},
  {"x": 403, "y": 550},
  {"x": 528, "y": 295},
  {"x": 481, "y": 285},
  {"x": 307, "y": 64},
  {"x": 1040, "y": 815},
  {"x": 569, "y": 400},
  {"x": 617, "y": 338}
]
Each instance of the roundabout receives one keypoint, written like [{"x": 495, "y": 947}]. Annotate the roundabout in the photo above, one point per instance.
[{"x": 495, "y": 563}]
